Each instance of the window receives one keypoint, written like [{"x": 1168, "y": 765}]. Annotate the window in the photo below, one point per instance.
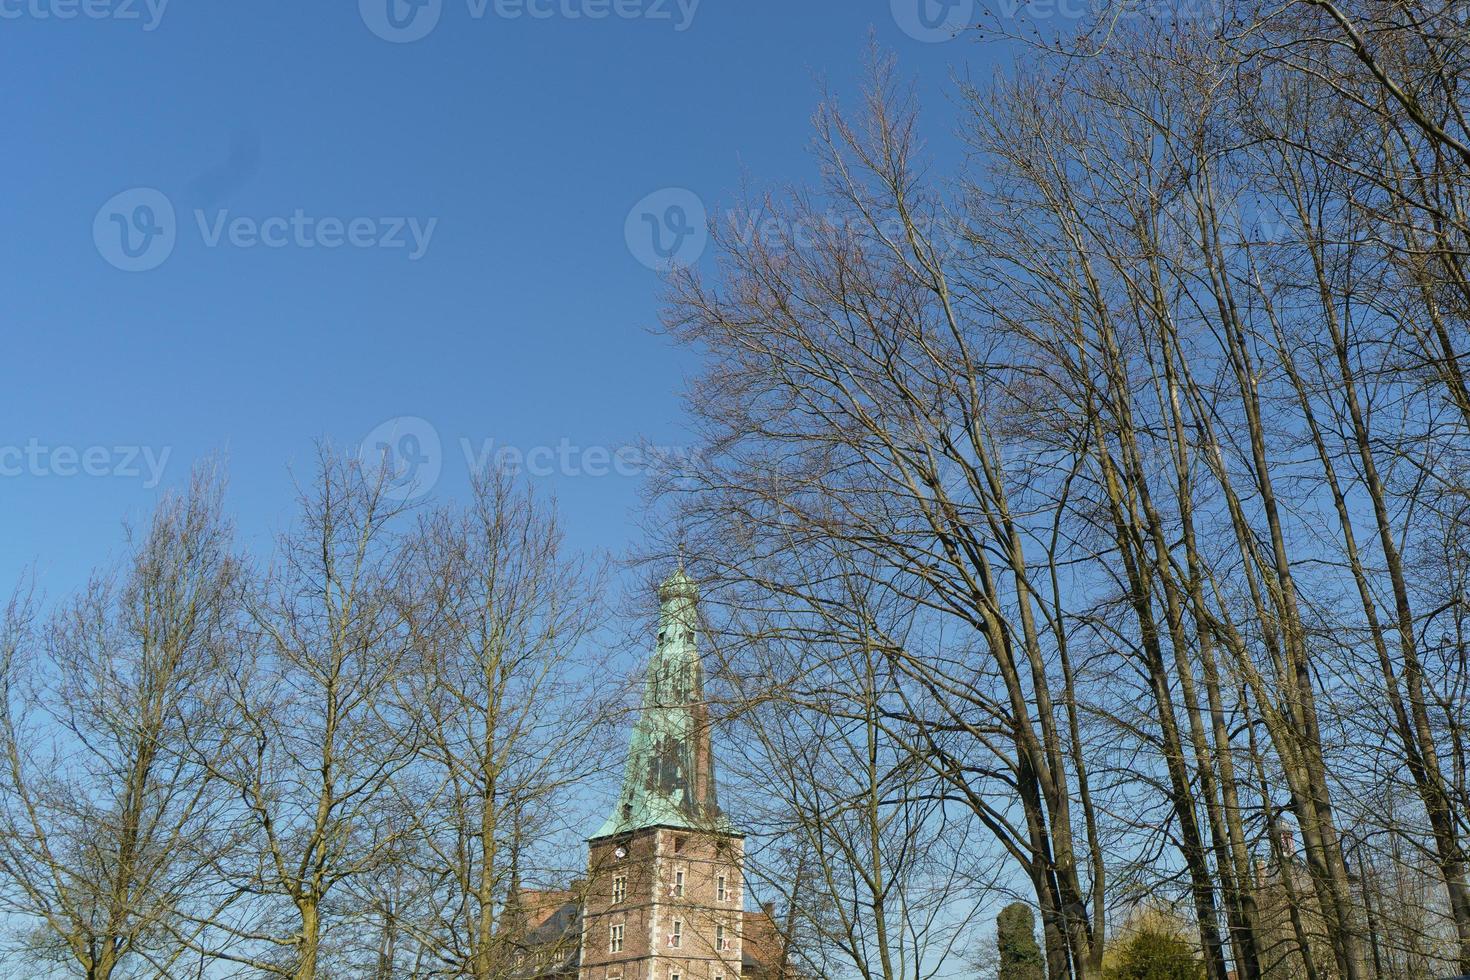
[
  {"x": 620, "y": 888},
  {"x": 615, "y": 939},
  {"x": 676, "y": 938},
  {"x": 721, "y": 894},
  {"x": 676, "y": 976},
  {"x": 678, "y": 884},
  {"x": 721, "y": 943},
  {"x": 689, "y": 637}
]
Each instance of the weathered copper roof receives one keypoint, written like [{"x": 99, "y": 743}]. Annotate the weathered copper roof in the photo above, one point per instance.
[{"x": 670, "y": 776}]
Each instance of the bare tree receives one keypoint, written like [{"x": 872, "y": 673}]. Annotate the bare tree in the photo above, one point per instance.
[
  {"x": 867, "y": 852},
  {"x": 513, "y": 724},
  {"x": 320, "y": 731},
  {"x": 1174, "y": 403},
  {"x": 851, "y": 415},
  {"x": 110, "y": 710}
]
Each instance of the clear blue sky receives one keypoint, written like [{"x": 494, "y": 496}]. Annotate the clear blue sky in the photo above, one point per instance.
[{"x": 525, "y": 140}]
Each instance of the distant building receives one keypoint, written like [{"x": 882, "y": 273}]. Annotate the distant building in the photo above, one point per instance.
[{"x": 665, "y": 894}]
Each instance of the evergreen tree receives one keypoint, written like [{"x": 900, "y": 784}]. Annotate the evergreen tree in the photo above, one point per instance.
[
  {"x": 1154, "y": 954},
  {"x": 1020, "y": 956}
]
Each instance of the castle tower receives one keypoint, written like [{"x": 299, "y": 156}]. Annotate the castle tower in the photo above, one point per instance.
[{"x": 664, "y": 898}]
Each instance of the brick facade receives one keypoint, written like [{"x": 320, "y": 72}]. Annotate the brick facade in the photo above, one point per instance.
[{"x": 669, "y": 880}]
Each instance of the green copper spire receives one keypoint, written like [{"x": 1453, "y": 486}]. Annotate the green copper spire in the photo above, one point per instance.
[{"x": 670, "y": 777}]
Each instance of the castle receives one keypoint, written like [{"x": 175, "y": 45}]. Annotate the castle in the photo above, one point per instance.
[{"x": 664, "y": 897}]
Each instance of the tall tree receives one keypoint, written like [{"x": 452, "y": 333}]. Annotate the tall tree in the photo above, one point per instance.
[
  {"x": 314, "y": 684},
  {"x": 1015, "y": 934},
  {"x": 513, "y": 723},
  {"x": 111, "y": 710},
  {"x": 855, "y": 419}
]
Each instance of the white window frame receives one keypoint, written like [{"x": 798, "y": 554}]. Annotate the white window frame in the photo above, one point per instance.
[
  {"x": 677, "y": 888},
  {"x": 619, "y": 889},
  {"x": 722, "y": 940},
  {"x": 722, "y": 889},
  {"x": 615, "y": 937},
  {"x": 676, "y": 938}
]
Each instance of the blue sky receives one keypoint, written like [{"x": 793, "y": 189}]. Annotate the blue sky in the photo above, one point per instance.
[{"x": 475, "y": 186}]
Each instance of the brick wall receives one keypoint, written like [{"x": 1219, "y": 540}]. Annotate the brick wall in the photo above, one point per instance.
[{"x": 651, "y": 906}]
